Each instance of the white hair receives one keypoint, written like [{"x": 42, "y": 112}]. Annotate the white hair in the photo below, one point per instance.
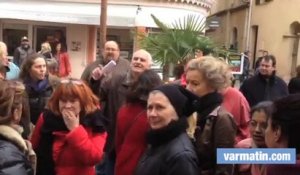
[{"x": 148, "y": 55}]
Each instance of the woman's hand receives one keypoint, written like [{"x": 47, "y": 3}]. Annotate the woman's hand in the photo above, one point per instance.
[{"x": 71, "y": 119}]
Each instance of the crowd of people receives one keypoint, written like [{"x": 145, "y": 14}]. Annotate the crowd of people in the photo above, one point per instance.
[{"x": 126, "y": 121}]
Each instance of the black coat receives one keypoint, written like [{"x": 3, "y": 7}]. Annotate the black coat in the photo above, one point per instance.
[
  {"x": 257, "y": 89},
  {"x": 169, "y": 156},
  {"x": 294, "y": 85},
  {"x": 38, "y": 98}
]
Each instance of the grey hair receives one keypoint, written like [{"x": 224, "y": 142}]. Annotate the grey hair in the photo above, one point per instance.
[{"x": 146, "y": 53}]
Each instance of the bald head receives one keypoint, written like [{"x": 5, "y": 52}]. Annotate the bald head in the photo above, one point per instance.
[
  {"x": 145, "y": 54},
  {"x": 111, "y": 51},
  {"x": 113, "y": 44},
  {"x": 141, "y": 61}
]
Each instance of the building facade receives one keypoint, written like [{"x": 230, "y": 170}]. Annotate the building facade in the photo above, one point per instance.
[
  {"x": 260, "y": 25},
  {"x": 78, "y": 21}
]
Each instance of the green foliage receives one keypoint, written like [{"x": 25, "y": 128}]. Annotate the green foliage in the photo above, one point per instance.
[{"x": 176, "y": 43}]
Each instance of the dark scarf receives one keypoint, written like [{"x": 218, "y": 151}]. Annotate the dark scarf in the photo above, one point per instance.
[
  {"x": 206, "y": 105},
  {"x": 164, "y": 135},
  {"x": 52, "y": 123},
  {"x": 37, "y": 86}
]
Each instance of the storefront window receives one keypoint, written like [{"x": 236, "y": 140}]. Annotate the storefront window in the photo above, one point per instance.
[{"x": 12, "y": 34}]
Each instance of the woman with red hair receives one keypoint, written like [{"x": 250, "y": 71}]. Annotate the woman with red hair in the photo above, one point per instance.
[{"x": 70, "y": 135}]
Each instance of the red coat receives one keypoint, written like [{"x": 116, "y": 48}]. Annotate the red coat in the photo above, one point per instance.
[
  {"x": 130, "y": 143},
  {"x": 237, "y": 105},
  {"x": 75, "y": 152},
  {"x": 64, "y": 64}
]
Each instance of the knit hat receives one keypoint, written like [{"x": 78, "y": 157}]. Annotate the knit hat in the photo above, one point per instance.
[{"x": 183, "y": 101}]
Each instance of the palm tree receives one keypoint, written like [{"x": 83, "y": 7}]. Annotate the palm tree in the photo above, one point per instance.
[{"x": 178, "y": 42}]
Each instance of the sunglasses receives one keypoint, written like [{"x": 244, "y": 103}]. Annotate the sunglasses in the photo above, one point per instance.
[{"x": 72, "y": 81}]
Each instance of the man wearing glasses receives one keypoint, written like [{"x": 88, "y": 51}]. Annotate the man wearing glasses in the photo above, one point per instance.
[
  {"x": 115, "y": 94},
  {"x": 93, "y": 73},
  {"x": 111, "y": 87}
]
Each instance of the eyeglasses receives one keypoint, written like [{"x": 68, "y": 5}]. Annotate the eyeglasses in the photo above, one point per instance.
[
  {"x": 71, "y": 80},
  {"x": 110, "y": 49}
]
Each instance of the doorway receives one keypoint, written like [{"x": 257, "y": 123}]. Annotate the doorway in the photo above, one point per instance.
[
  {"x": 49, "y": 33},
  {"x": 12, "y": 34}
]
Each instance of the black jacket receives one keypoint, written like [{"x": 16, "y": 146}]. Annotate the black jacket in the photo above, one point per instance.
[
  {"x": 257, "y": 89},
  {"x": 12, "y": 156},
  {"x": 294, "y": 85},
  {"x": 170, "y": 153},
  {"x": 38, "y": 97}
]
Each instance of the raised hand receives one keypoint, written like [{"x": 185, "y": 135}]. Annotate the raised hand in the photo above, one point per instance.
[
  {"x": 71, "y": 119},
  {"x": 97, "y": 73}
]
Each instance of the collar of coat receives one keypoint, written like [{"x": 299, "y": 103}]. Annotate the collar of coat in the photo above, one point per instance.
[
  {"x": 14, "y": 137},
  {"x": 268, "y": 79},
  {"x": 164, "y": 135}
]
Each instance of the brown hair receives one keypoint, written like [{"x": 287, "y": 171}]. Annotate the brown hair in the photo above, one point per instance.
[
  {"x": 286, "y": 116},
  {"x": 74, "y": 89},
  {"x": 11, "y": 98},
  {"x": 27, "y": 64}
]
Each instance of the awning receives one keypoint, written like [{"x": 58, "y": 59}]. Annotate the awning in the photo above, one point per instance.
[
  {"x": 164, "y": 14},
  {"x": 118, "y": 15},
  {"x": 67, "y": 12}
]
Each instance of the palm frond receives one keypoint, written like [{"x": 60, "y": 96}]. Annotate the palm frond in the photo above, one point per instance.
[
  {"x": 161, "y": 25},
  {"x": 176, "y": 42}
]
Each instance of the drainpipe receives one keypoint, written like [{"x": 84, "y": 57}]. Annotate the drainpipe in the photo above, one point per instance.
[{"x": 249, "y": 25}]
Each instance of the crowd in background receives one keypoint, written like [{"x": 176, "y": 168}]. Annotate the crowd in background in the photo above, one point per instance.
[{"x": 127, "y": 121}]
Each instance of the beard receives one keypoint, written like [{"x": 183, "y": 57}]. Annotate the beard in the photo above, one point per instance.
[{"x": 25, "y": 46}]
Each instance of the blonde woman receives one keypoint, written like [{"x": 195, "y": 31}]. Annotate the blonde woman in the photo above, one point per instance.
[
  {"x": 215, "y": 127},
  {"x": 46, "y": 50}
]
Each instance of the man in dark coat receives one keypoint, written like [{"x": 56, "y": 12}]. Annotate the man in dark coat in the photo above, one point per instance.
[
  {"x": 111, "y": 87},
  {"x": 294, "y": 84},
  {"x": 22, "y": 52},
  {"x": 265, "y": 85}
]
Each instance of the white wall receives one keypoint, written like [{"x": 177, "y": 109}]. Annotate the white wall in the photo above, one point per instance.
[{"x": 77, "y": 33}]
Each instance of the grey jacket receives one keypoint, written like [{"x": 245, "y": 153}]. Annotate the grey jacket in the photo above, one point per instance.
[{"x": 13, "y": 153}]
